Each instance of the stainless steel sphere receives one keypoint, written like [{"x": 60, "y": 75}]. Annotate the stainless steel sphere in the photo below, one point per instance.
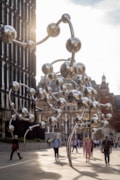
[
  {"x": 31, "y": 117},
  {"x": 109, "y": 116},
  {"x": 30, "y": 128},
  {"x": 9, "y": 34},
  {"x": 79, "y": 68},
  {"x": 74, "y": 95},
  {"x": 31, "y": 92},
  {"x": 108, "y": 106},
  {"x": 11, "y": 128},
  {"x": 73, "y": 45},
  {"x": 79, "y": 79},
  {"x": 61, "y": 103},
  {"x": 67, "y": 71},
  {"x": 52, "y": 76},
  {"x": 15, "y": 86},
  {"x": 85, "y": 102},
  {"x": 52, "y": 120},
  {"x": 41, "y": 93},
  {"x": 47, "y": 68},
  {"x": 24, "y": 112},
  {"x": 53, "y": 30},
  {"x": 89, "y": 91},
  {"x": 13, "y": 116},
  {"x": 65, "y": 18},
  {"x": 31, "y": 44},
  {"x": 60, "y": 81},
  {"x": 42, "y": 124}
]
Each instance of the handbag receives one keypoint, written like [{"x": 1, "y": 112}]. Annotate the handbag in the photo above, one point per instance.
[{"x": 14, "y": 146}]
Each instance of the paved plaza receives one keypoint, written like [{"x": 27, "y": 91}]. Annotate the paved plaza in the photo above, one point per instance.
[{"x": 41, "y": 165}]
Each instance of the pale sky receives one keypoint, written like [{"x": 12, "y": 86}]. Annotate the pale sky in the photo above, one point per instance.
[{"x": 96, "y": 23}]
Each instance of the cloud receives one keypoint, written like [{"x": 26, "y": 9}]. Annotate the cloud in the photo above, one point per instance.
[
  {"x": 110, "y": 9},
  {"x": 113, "y": 17},
  {"x": 86, "y": 2}
]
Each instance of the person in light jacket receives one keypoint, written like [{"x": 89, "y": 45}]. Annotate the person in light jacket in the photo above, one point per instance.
[{"x": 56, "y": 143}]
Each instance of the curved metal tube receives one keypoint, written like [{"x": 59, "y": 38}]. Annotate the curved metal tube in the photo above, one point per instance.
[
  {"x": 36, "y": 125},
  {"x": 70, "y": 140}
]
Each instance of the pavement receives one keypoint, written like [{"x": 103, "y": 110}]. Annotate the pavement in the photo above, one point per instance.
[{"x": 41, "y": 165}]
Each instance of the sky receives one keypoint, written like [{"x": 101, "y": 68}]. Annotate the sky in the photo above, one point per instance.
[{"x": 96, "y": 24}]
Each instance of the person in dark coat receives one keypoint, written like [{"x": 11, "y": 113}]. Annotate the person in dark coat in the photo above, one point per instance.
[
  {"x": 107, "y": 149},
  {"x": 15, "y": 147}
]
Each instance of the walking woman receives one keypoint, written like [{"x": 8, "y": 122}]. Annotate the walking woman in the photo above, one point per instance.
[
  {"x": 56, "y": 143},
  {"x": 87, "y": 148},
  {"x": 15, "y": 147}
]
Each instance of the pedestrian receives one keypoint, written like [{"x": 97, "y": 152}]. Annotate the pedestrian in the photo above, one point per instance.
[
  {"x": 56, "y": 143},
  {"x": 92, "y": 148},
  {"x": 106, "y": 149},
  {"x": 87, "y": 148},
  {"x": 75, "y": 145},
  {"x": 15, "y": 147}
]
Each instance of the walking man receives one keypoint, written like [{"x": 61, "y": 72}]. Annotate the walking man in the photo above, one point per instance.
[{"x": 107, "y": 149}]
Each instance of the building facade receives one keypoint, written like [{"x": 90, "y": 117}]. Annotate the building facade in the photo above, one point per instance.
[
  {"x": 66, "y": 123},
  {"x": 17, "y": 63}
]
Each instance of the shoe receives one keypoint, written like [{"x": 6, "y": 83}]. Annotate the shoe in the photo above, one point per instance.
[{"x": 21, "y": 158}]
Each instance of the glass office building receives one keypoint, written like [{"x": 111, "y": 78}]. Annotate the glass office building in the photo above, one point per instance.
[{"x": 17, "y": 63}]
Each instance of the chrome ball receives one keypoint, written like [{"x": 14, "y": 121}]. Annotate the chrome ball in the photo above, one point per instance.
[
  {"x": 65, "y": 18},
  {"x": 108, "y": 106},
  {"x": 13, "y": 117},
  {"x": 60, "y": 81},
  {"x": 12, "y": 104},
  {"x": 30, "y": 128},
  {"x": 67, "y": 71},
  {"x": 30, "y": 44},
  {"x": 85, "y": 102},
  {"x": 15, "y": 86},
  {"x": 73, "y": 45},
  {"x": 47, "y": 68},
  {"x": 52, "y": 76},
  {"x": 80, "y": 68},
  {"x": 78, "y": 119},
  {"x": 74, "y": 95},
  {"x": 53, "y": 30},
  {"x": 89, "y": 91},
  {"x": 11, "y": 128},
  {"x": 9, "y": 34},
  {"x": 42, "y": 123},
  {"x": 79, "y": 79},
  {"x": 49, "y": 89},
  {"x": 31, "y": 117},
  {"x": 109, "y": 116},
  {"x": 52, "y": 120},
  {"x": 61, "y": 103},
  {"x": 20, "y": 116},
  {"x": 41, "y": 93},
  {"x": 31, "y": 92},
  {"x": 24, "y": 112}
]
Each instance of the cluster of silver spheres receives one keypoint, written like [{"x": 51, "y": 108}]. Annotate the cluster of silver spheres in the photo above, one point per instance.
[{"x": 73, "y": 86}]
